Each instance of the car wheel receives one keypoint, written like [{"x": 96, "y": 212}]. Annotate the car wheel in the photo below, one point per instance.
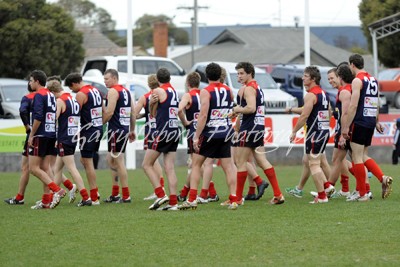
[
  {"x": 9, "y": 116},
  {"x": 396, "y": 101}
]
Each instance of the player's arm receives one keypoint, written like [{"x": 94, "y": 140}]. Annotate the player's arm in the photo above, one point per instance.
[
  {"x": 24, "y": 113},
  {"x": 250, "y": 95},
  {"x": 60, "y": 107},
  {"x": 309, "y": 101},
  {"x": 132, "y": 129},
  {"x": 81, "y": 98},
  {"x": 185, "y": 101},
  {"x": 138, "y": 107},
  {"x": 202, "y": 119},
  {"x": 154, "y": 100},
  {"x": 112, "y": 98},
  {"x": 294, "y": 110},
  {"x": 348, "y": 116}
]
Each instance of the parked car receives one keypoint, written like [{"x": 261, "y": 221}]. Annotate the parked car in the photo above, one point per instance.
[
  {"x": 389, "y": 85},
  {"x": 290, "y": 78},
  {"x": 95, "y": 78},
  {"x": 142, "y": 67},
  {"x": 276, "y": 100},
  {"x": 11, "y": 93}
]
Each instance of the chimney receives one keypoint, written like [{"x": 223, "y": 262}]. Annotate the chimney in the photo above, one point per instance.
[{"x": 160, "y": 39}]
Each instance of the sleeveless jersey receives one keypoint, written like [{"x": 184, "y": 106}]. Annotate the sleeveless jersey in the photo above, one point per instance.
[
  {"x": 254, "y": 121},
  {"x": 68, "y": 121},
  {"x": 44, "y": 110},
  {"x": 25, "y": 108},
  {"x": 91, "y": 111},
  {"x": 318, "y": 121},
  {"x": 167, "y": 115},
  {"x": 192, "y": 113},
  {"x": 338, "y": 108},
  {"x": 218, "y": 125},
  {"x": 121, "y": 119},
  {"x": 368, "y": 103},
  {"x": 150, "y": 120}
]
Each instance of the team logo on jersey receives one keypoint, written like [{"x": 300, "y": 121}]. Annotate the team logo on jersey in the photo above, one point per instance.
[
  {"x": 96, "y": 112},
  {"x": 125, "y": 112},
  {"x": 371, "y": 102},
  {"x": 73, "y": 121},
  {"x": 173, "y": 112},
  {"x": 196, "y": 115},
  {"x": 323, "y": 115},
  {"x": 50, "y": 117},
  {"x": 219, "y": 113},
  {"x": 260, "y": 110}
]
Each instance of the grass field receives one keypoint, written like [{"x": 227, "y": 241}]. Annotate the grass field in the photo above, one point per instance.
[{"x": 257, "y": 234}]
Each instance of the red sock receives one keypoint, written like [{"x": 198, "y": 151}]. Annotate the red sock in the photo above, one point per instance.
[
  {"x": 211, "y": 189},
  {"x": 344, "y": 180},
  {"x": 84, "y": 194},
  {"x": 159, "y": 191},
  {"x": 204, "y": 193},
  {"x": 367, "y": 187},
  {"x": 322, "y": 195},
  {"x": 233, "y": 198},
  {"x": 192, "y": 195},
  {"x": 241, "y": 180},
  {"x": 53, "y": 187},
  {"x": 115, "y": 190},
  {"x": 93, "y": 194},
  {"x": 19, "y": 197},
  {"x": 125, "y": 193},
  {"x": 184, "y": 191},
  {"x": 351, "y": 169},
  {"x": 258, "y": 180},
  {"x": 374, "y": 168},
  {"x": 67, "y": 183},
  {"x": 270, "y": 173},
  {"x": 173, "y": 200},
  {"x": 360, "y": 174},
  {"x": 252, "y": 190},
  {"x": 46, "y": 199},
  {"x": 162, "y": 181},
  {"x": 326, "y": 185}
]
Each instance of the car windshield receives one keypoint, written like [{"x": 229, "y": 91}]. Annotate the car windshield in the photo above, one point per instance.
[
  {"x": 264, "y": 80},
  {"x": 388, "y": 75},
  {"x": 14, "y": 93},
  {"x": 146, "y": 67}
]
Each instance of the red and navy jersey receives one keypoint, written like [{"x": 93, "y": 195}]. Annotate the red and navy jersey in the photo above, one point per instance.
[
  {"x": 192, "y": 113},
  {"x": 150, "y": 120},
  {"x": 25, "y": 108},
  {"x": 254, "y": 121},
  {"x": 68, "y": 121},
  {"x": 218, "y": 124},
  {"x": 318, "y": 121},
  {"x": 167, "y": 115},
  {"x": 91, "y": 111},
  {"x": 338, "y": 108},
  {"x": 368, "y": 103},
  {"x": 44, "y": 110},
  {"x": 121, "y": 119}
]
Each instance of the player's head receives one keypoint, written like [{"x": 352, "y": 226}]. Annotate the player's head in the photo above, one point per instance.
[
  {"x": 213, "y": 72},
  {"x": 72, "y": 78},
  {"x": 345, "y": 74},
  {"x": 193, "y": 80},
  {"x": 312, "y": 72},
  {"x": 54, "y": 86},
  {"x": 223, "y": 75},
  {"x": 111, "y": 77},
  {"x": 152, "y": 81},
  {"x": 247, "y": 67},
  {"x": 163, "y": 75},
  {"x": 37, "y": 77},
  {"x": 357, "y": 61}
]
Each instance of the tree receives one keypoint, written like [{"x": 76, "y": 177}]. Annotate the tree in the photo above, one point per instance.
[
  {"x": 388, "y": 47},
  {"x": 143, "y": 32},
  {"x": 85, "y": 12},
  {"x": 37, "y": 35}
]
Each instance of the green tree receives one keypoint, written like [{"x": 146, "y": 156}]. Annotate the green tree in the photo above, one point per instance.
[
  {"x": 37, "y": 35},
  {"x": 143, "y": 32},
  {"x": 388, "y": 47}
]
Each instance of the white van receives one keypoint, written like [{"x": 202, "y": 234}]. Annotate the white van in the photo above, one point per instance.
[
  {"x": 142, "y": 67},
  {"x": 276, "y": 100},
  {"x": 11, "y": 93}
]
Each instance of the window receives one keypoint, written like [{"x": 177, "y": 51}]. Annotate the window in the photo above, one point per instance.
[
  {"x": 101, "y": 65},
  {"x": 14, "y": 93}
]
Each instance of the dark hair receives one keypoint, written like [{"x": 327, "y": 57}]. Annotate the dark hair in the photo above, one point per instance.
[
  {"x": 357, "y": 60},
  {"x": 342, "y": 63},
  {"x": 344, "y": 72},
  {"x": 72, "y": 78},
  {"x": 334, "y": 70},
  {"x": 54, "y": 78},
  {"x": 247, "y": 67},
  {"x": 213, "y": 72},
  {"x": 314, "y": 73},
  {"x": 40, "y": 76},
  {"x": 193, "y": 79},
  {"x": 113, "y": 72},
  {"x": 163, "y": 75}
]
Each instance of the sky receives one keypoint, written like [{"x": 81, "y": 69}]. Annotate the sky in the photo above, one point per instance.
[{"x": 232, "y": 12}]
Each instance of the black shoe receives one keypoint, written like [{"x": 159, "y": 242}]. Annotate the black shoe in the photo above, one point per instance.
[
  {"x": 251, "y": 197},
  {"x": 261, "y": 188},
  {"x": 121, "y": 200},
  {"x": 13, "y": 201},
  {"x": 112, "y": 199},
  {"x": 87, "y": 202}
]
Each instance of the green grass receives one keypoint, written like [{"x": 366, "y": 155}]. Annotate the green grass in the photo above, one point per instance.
[{"x": 257, "y": 234}]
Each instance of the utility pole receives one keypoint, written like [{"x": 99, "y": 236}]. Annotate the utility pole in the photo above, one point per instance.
[{"x": 195, "y": 25}]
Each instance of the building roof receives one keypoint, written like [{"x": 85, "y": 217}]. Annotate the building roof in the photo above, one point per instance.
[{"x": 265, "y": 45}]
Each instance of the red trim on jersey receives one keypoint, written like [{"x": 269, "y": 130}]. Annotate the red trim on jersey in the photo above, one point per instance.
[
  {"x": 192, "y": 93},
  {"x": 165, "y": 86},
  {"x": 30, "y": 95}
]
